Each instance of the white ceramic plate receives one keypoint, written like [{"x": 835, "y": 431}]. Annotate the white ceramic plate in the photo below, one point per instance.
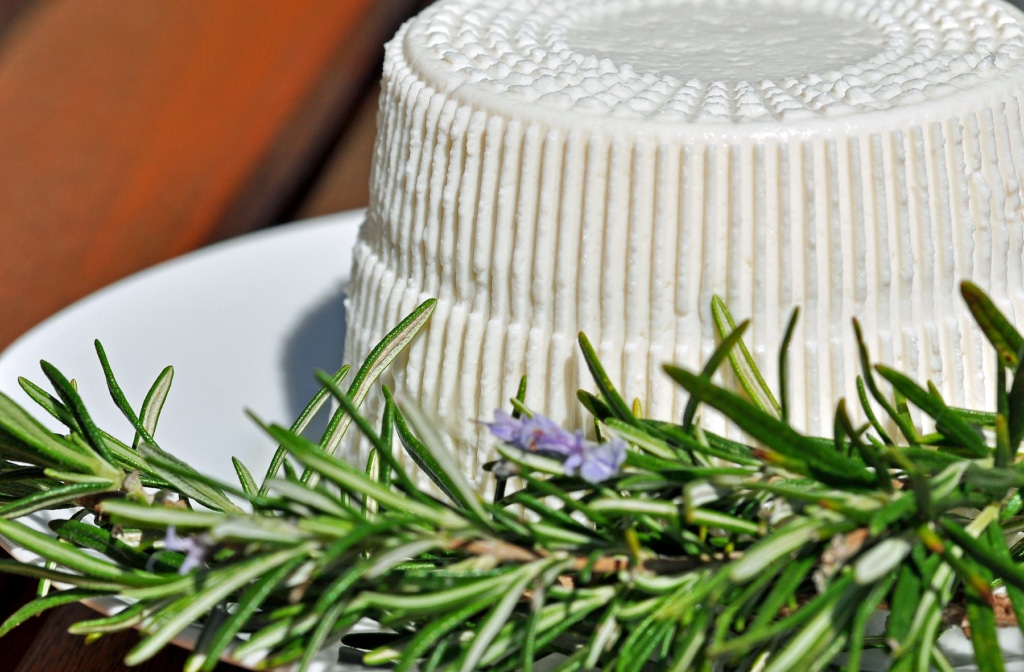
[{"x": 245, "y": 323}]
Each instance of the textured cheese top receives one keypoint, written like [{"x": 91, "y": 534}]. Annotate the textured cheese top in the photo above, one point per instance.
[
  {"x": 713, "y": 62},
  {"x": 545, "y": 167}
]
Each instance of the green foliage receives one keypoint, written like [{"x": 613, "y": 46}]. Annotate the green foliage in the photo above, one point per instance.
[{"x": 701, "y": 553}]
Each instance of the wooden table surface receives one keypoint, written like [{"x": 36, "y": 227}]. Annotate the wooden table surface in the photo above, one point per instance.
[{"x": 132, "y": 132}]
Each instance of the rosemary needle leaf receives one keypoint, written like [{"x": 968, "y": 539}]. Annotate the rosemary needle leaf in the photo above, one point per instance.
[
  {"x": 609, "y": 395},
  {"x": 642, "y": 439},
  {"x": 50, "y": 404},
  {"x": 54, "y": 498},
  {"x": 827, "y": 464},
  {"x": 948, "y": 422},
  {"x": 689, "y": 645},
  {"x": 134, "y": 514},
  {"x": 1000, "y": 333},
  {"x": 703, "y": 553},
  {"x": 23, "y": 438},
  {"x": 38, "y": 606},
  {"x": 125, "y": 457},
  {"x": 129, "y": 617},
  {"x": 353, "y": 480},
  {"x": 1015, "y": 409},
  {"x": 423, "y": 458},
  {"x": 979, "y": 551},
  {"x": 73, "y": 401},
  {"x": 429, "y": 635},
  {"x": 85, "y": 535},
  {"x": 317, "y": 501},
  {"x": 981, "y": 616},
  {"x": 299, "y": 426},
  {"x": 245, "y": 479},
  {"x": 783, "y": 363},
  {"x": 594, "y": 405},
  {"x": 868, "y": 380},
  {"x": 216, "y": 587},
  {"x": 443, "y": 455},
  {"x": 533, "y": 462},
  {"x": 866, "y": 610},
  {"x": 73, "y": 558},
  {"x": 786, "y": 540},
  {"x": 747, "y": 372},
  {"x": 111, "y": 586},
  {"x": 554, "y": 620},
  {"x": 379, "y": 359},
  {"x": 906, "y": 595},
  {"x": 393, "y": 423},
  {"x": 927, "y": 610},
  {"x": 117, "y": 394},
  {"x": 469, "y": 591},
  {"x": 73, "y": 477},
  {"x": 275, "y": 633},
  {"x": 881, "y": 559},
  {"x": 248, "y": 604},
  {"x": 153, "y": 405},
  {"x": 641, "y": 643},
  {"x": 318, "y": 637},
  {"x": 186, "y": 480},
  {"x": 499, "y": 614},
  {"x": 717, "y": 357},
  {"x": 713, "y": 447}
]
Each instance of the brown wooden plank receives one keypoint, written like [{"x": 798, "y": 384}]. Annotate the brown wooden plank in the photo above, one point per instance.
[
  {"x": 130, "y": 132},
  {"x": 344, "y": 88},
  {"x": 43, "y": 644},
  {"x": 14, "y": 592},
  {"x": 53, "y": 649},
  {"x": 344, "y": 183},
  {"x": 9, "y": 11},
  {"x": 133, "y": 131}
]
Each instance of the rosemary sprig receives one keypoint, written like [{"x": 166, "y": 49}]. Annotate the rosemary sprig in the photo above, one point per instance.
[{"x": 662, "y": 547}]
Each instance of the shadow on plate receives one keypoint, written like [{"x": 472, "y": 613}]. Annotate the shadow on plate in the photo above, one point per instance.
[{"x": 317, "y": 344}]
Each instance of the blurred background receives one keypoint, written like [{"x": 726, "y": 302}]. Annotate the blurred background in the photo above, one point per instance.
[{"x": 132, "y": 132}]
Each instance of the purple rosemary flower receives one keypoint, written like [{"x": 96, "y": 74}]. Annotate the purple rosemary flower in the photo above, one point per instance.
[
  {"x": 593, "y": 462},
  {"x": 536, "y": 434},
  {"x": 194, "y": 548},
  {"x": 596, "y": 462}
]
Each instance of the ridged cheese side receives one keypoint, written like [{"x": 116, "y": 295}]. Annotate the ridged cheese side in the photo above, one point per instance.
[{"x": 530, "y": 221}]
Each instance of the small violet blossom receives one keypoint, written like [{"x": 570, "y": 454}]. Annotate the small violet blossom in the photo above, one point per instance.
[
  {"x": 593, "y": 462},
  {"x": 194, "y": 548}
]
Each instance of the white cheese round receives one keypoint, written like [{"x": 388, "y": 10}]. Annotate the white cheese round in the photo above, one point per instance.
[{"x": 545, "y": 167}]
